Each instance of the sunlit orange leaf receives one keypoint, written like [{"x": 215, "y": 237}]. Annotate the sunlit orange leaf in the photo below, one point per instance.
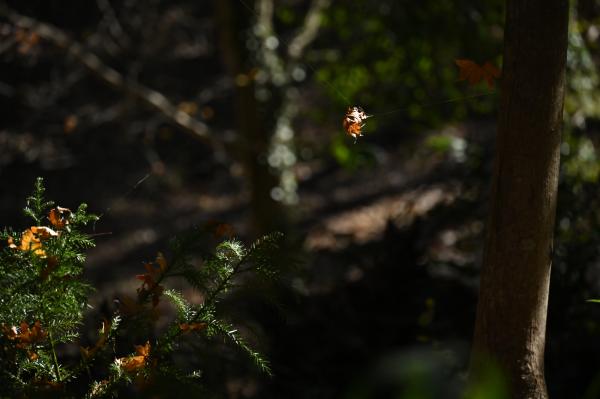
[
  {"x": 32, "y": 355},
  {"x": 134, "y": 363},
  {"x": 59, "y": 217},
  {"x": 474, "y": 73},
  {"x": 143, "y": 350},
  {"x": 32, "y": 335},
  {"x": 25, "y": 336},
  {"x": 43, "y": 232},
  {"x": 354, "y": 121},
  {"x": 29, "y": 242}
]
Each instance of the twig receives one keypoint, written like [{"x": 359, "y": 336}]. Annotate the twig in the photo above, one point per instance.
[
  {"x": 54, "y": 357},
  {"x": 308, "y": 32},
  {"x": 109, "y": 75}
]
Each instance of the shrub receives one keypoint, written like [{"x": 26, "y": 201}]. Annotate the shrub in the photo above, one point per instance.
[{"x": 43, "y": 298}]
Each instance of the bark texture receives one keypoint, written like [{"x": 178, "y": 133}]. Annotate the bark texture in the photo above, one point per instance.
[{"x": 513, "y": 299}]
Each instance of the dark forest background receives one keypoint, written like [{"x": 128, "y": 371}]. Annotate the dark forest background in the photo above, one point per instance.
[{"x": 164, "y": 115}]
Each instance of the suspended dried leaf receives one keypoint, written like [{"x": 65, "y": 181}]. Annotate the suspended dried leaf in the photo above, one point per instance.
[
  {"x": 354, "y": 121},
  {"x": 474, "y": 74}
]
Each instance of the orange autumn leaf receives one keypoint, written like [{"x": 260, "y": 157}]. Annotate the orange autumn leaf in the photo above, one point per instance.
[
  {"x": 25, "y": 336},
  {"x": 43, "y": 232},
  {"x": 186, "y": 327},
  {"x": 134, "y": 363},
  {"x": 143, "y": 350},
  {"x": 29, "y": 242},
  {"x": 150, "y": 279},
  {"x": 474, "y": 73},
  {"x": 88, "y": 352},
  {"x": 32, "y": 335},
  {"x": 59, "y": 217}
]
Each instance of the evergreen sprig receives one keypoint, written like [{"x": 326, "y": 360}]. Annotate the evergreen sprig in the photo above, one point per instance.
[
  {"x": 42, "y": 293},
  {"x": 43, "y": 298}
]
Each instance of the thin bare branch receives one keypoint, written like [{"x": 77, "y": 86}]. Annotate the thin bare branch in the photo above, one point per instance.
[
  {"x": 273, "y": 63},
  {"x": 109, "y": 75},
  {"x": 265, "y": 18},
  {"x": 308, "y": 32},
  {"x": 114, "y": 26}
]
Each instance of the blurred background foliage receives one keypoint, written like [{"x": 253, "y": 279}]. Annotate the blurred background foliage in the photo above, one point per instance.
[{"x": 389, "y": 230}]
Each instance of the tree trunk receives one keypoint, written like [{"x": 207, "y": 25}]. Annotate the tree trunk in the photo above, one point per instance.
[
  {"x": 253, "y": 143},
  {"x": 513, "y": 298}
]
